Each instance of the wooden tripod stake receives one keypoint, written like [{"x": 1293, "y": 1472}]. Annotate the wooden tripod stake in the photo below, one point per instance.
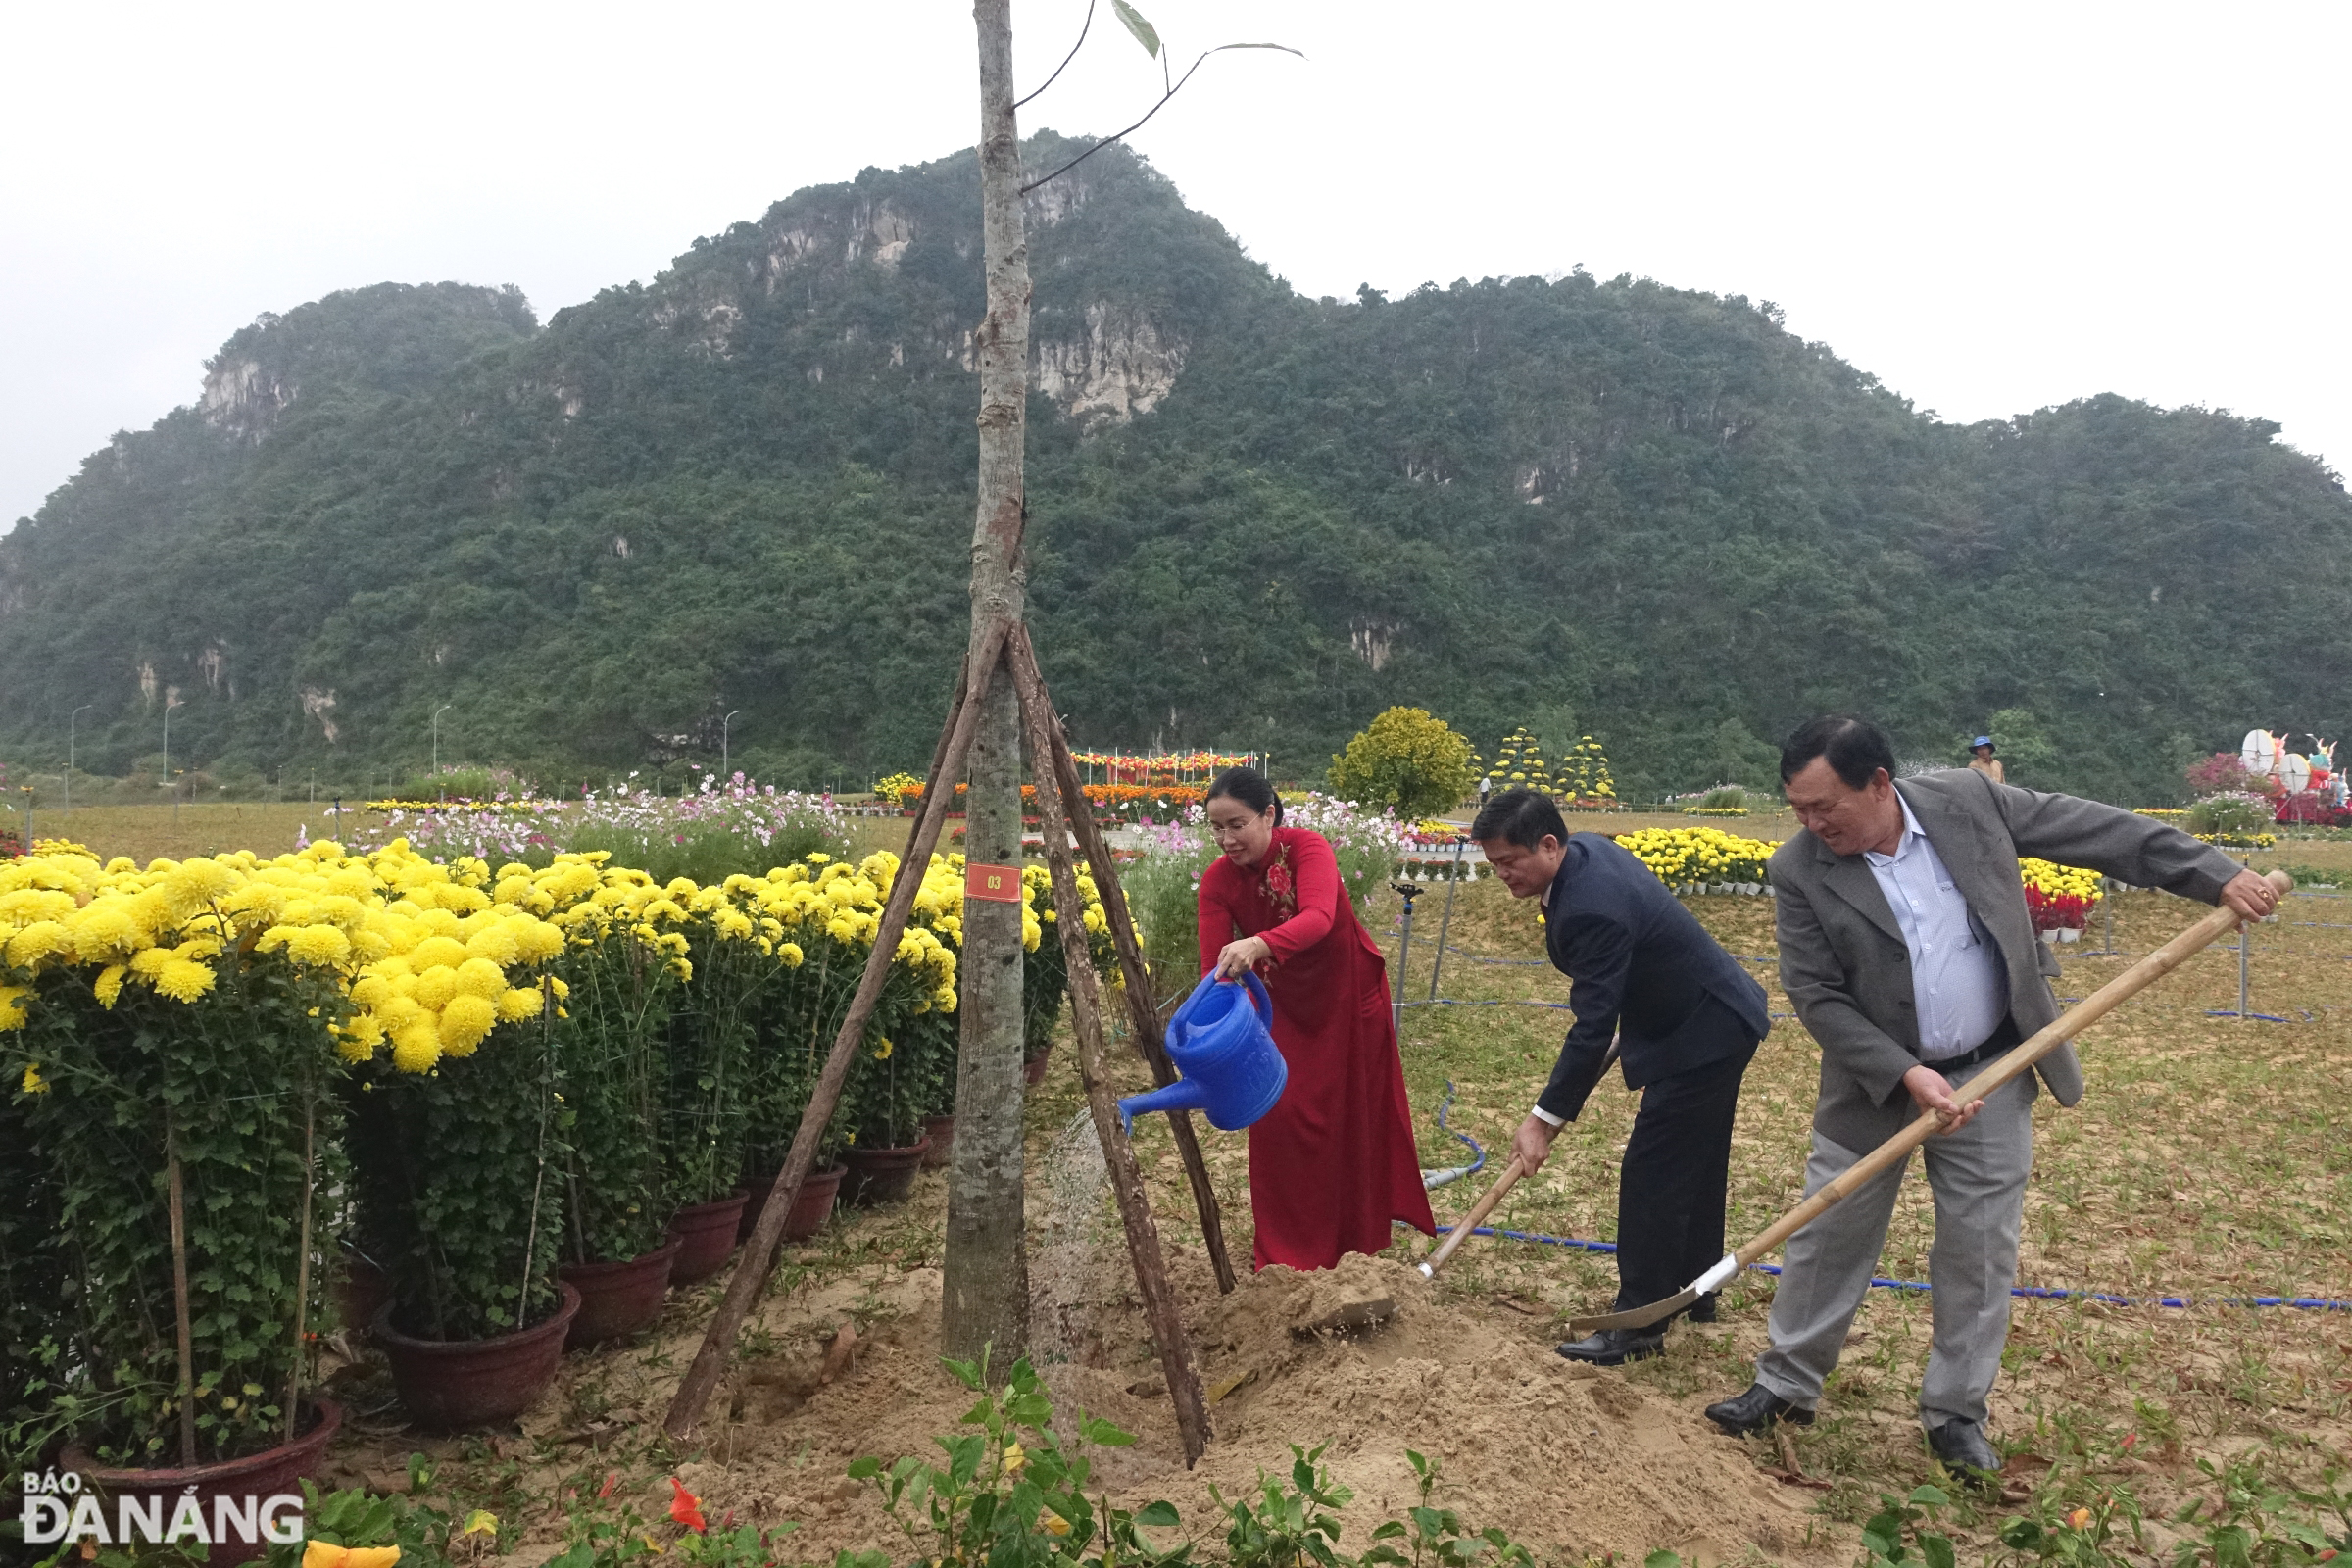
[{"x": 1060, "y": 804}]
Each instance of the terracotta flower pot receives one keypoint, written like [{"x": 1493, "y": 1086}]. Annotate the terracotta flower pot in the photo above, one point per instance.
[
  {"x": 456, "y": 1385},
  {"x": 941, "y": 1132},
  {"x": 811, "y": 1205},
  {"x": 708, "y": 1232},
  {"x": 273, "y": 1472},
  {"x": 1033, "y": 1069},
  {"x": 619, "y": 1299},
  {"x": 882, "y": 1175}
]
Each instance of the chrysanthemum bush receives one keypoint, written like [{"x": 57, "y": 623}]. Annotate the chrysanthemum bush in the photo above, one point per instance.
[
  {"x": 1698, "y": 858},
  {"x": 493, "y": 1069}
]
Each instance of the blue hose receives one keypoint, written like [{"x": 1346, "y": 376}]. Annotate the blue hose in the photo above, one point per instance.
[{"x": 1430, "y": 1180}]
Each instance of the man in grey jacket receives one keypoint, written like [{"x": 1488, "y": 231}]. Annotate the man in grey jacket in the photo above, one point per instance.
[{"x": 1907, "y": 950}]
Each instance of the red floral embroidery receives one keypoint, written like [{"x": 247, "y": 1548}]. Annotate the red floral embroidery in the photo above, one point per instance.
[{"x": 1282, "y": 889}]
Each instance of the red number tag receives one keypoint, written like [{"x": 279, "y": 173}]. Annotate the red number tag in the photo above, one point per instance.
[{"x": 998, "y": 884}]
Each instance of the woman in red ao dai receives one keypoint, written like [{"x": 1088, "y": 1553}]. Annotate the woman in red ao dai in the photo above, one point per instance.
[{"x": 1334, "y": 1163}]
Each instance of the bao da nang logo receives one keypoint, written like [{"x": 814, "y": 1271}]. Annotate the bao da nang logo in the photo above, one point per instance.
[{"x": 56, "y": 1507}]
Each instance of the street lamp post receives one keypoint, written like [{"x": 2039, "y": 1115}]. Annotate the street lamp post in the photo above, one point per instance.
[
  {"x": 722, "y": 744},
  {"x": 170, "y": 704},
  {"x": 70, "y": 719},
  {"x": 437, "y": 712}
]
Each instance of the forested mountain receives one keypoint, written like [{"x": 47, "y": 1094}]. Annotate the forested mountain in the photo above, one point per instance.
[{"x": 1256, "y": 520}]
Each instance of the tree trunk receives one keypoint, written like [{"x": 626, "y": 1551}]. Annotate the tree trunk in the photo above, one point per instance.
[{"x": 986, "y": 1298}]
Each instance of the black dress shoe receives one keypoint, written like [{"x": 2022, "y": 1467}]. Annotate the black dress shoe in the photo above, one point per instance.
[
  {"x": 1962, "y": 1446},
  {"x": 1754, "y": 1410},
  {"x": 1703, "y": 1310},
  {"x": 1615, "y": 1346}
]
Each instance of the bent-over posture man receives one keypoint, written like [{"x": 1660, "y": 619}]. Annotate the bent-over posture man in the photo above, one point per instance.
[
  {"x": 1686, "y": 1019},
  {"x": 1907, "y": 949}
]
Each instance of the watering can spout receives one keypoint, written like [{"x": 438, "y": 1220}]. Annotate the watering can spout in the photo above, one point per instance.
[{"x": 1185, "y": 1093}]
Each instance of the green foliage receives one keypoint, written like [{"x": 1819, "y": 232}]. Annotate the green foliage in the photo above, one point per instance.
[
  {"x": 1009, "y": 1493},
  {"x": 1163, "y": 895},
  {"x": 1437, "y": 1538},
  {"x": 361, "y": 1518},
  {"x": 2252, "y": 1521},
  {"x": 238, "y": 1090},
  {"x": 610, "y": 1049},
  {"x": 1903, "y": 1530},
  {"x": 33, "y": 1269},
  {"x": 1734, "y": 754},
  {"x": 461, "y": 783},
  {"x": 1405, "y": 760},
  {"x": 1288, "y": 1525},
  {"x": 710, "y": 1091},
  {"x": 705, "y": 853},
  {"x": 2029, "y": 755},
  {"x": 459, "y": 1184}
]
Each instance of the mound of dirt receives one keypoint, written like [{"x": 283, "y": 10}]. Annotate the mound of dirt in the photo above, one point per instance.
[{"x": 1367, "y": 1357}]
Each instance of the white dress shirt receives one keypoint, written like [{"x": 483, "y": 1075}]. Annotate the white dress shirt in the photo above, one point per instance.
[{"x": 1957, "y": 982}]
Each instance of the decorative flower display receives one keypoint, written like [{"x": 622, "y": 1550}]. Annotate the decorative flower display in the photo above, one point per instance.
[
  {"x": 2059, "y": 898},
  {"x": 1692, "y": 858}
]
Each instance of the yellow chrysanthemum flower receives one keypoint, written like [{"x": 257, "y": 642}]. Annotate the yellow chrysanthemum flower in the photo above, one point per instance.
[{"x": 184, "y": 979}]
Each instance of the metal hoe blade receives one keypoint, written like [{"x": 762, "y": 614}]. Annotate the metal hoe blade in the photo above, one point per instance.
[{"x": 1635, "y": 1317}]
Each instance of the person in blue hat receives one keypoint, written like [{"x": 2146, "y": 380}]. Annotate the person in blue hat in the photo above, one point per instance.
[{"x": 1982, "y": 760}]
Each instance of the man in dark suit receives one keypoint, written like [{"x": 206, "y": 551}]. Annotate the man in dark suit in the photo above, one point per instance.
[
  {"x": 1908, "y": 952},
  {"x": 1686, "y": 1019}
]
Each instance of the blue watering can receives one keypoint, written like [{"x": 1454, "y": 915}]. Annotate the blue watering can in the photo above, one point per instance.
[{"x": 1231, "y": 1067}]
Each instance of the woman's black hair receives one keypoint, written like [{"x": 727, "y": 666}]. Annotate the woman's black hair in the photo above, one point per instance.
[{"x": 1248, "y": 786}]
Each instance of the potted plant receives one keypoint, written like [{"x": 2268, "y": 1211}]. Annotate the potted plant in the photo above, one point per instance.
[
  {"x": 170, "y": 1070},
  {"x": 617, "y": 1248},
  {"x": 888, "y": 1092},
  {"x": 452, "y": 1113},
  {"x": 708, "y": 1092}
]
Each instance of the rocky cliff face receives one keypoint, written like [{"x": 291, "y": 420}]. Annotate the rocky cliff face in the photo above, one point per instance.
[
  {"x": 243, "y": 397},
  {"x": 816, "y": 276}
]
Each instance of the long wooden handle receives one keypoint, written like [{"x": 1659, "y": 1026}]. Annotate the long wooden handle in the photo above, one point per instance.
[
  {"x": 1476, "y": 1217},
  {"x": 2018, "y": 1059}
]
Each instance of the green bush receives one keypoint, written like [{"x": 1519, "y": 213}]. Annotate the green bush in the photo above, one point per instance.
[{"x": 1407, "y": 761}]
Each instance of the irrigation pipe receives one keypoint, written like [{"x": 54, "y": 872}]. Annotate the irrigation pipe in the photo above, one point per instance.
[
  {"x": 2031, "y": 1292},
  {"x": 1432, "y": 1180}
]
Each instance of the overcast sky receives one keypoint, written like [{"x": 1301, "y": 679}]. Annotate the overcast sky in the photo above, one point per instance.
[{"x": 1990, "y": 206}]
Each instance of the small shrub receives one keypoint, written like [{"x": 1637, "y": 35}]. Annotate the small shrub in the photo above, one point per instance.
[
  {"x": 2232, "y": 815},
  {"x": 1408, "y": 761}
]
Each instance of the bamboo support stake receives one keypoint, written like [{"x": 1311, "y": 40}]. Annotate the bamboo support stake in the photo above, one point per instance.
[
  {"x": 750, "y": 1264},
  {"x": 176, "y": 1197},
  {"x": 302, "y": 1266},
  {"x": 1142, "y": 1016},
  {"x": 1161, "y": 1309}
]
